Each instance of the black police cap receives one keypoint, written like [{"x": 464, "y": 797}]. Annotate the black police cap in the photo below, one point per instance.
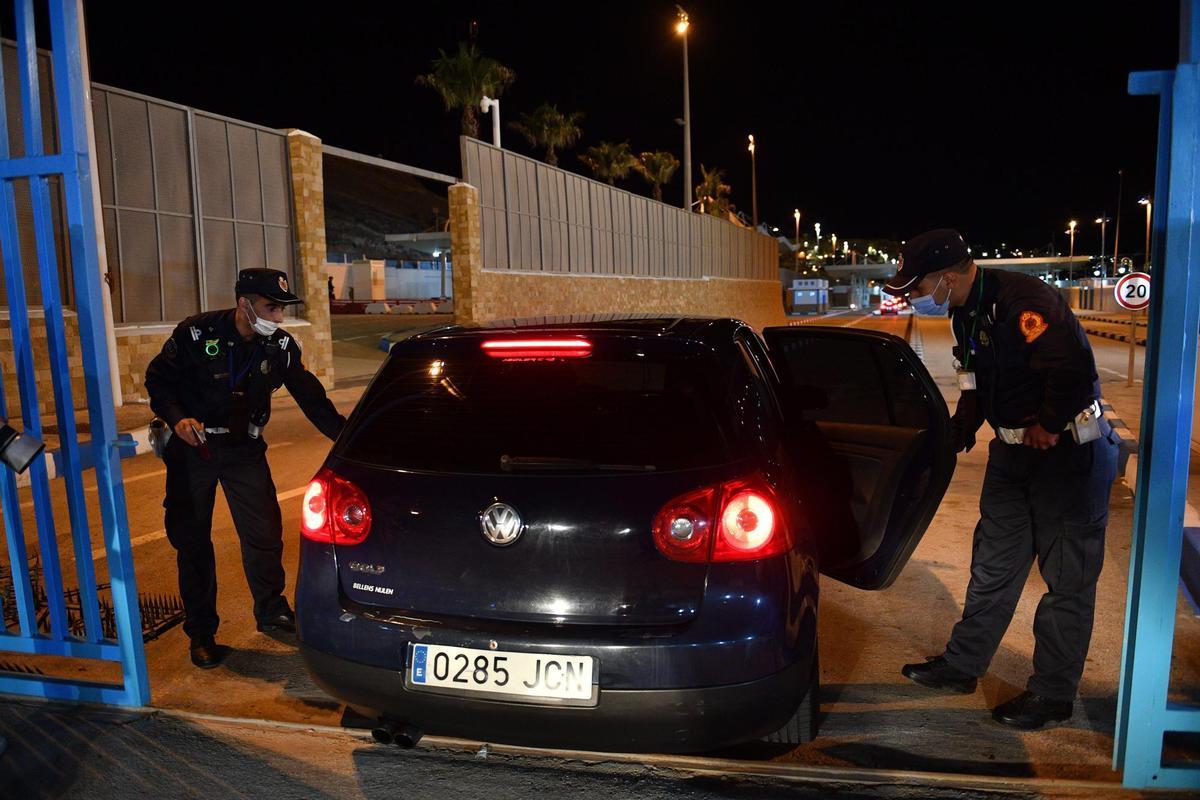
[
  {"x": 932, "y": 251},
  {"x": 269, "y": 283}
]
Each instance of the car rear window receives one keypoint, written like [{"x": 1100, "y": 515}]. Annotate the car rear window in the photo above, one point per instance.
[{"x": 631, "y": 405}]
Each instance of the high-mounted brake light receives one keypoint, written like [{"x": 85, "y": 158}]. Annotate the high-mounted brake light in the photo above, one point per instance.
[
  {"x": 735, "y": 521},
  {"x": 537, "y": 348},
  {"x": 335, "y": 511}
]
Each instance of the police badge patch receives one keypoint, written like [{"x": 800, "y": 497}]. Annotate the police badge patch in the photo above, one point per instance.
[
  {"x": 265, "y": 367},
  {"x": 1032, "y": 326},
  {"x": 283, "y": 283}
]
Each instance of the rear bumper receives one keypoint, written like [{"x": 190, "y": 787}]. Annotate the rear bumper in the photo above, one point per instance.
[{"x": 659, "y": 720}]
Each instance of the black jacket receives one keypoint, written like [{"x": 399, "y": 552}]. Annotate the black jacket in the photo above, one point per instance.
[
  {"x": 207, "y": 371},
  {"x": 1032, "y": 360}
]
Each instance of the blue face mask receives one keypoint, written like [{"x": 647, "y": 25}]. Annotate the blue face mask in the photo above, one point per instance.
[{"x": 927, "y": 306}]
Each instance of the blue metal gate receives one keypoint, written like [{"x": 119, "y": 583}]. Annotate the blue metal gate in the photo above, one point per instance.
[
  {"x": 1144, "y": 715},
  {"x": 74, "y": 164}
]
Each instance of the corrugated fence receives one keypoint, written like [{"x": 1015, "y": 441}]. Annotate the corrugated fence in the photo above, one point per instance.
[{"x": 537, "y": 218}]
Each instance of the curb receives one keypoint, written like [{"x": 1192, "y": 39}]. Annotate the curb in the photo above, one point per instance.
[
  {"x": 1120, "y": 337},
  {"x": 1127, "y": 456}
]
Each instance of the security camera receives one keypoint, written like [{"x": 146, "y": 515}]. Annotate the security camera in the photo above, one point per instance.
[{"x": 485, "y": 104}]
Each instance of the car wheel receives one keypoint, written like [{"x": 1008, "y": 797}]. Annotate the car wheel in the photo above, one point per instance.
[{"x": 802, "y": 727}]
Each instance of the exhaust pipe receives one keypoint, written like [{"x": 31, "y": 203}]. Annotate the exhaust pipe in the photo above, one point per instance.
[
  {"x": 407, "y": 736},
  {"x": 384, "y": 734},
  {"x": 400, "y": 734}
]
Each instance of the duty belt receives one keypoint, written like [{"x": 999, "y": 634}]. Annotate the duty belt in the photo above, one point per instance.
[{"x": 1078, "y": 426}]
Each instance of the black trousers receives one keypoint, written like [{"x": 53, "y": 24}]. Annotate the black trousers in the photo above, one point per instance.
[
  {"x": 245, "y": 477},
  {"x": 1051, "y": 505}
]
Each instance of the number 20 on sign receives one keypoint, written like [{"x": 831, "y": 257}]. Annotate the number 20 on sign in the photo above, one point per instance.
[{"x": 1133, "y": 291}]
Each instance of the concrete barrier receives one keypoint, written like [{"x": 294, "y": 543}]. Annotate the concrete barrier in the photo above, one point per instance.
[{"x": 377, "y": 308}]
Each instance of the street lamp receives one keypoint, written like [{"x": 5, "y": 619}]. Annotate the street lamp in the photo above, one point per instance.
[
  {"x": 682, "y": 23},
  {"x": 818, "y": 229},
  {"x": 1070, "y": 263},
  {"x": 1102, "y": 221},
  {"x": 796, "y": 215},
  {"x": 753, "y": 182},
  {"x": 1145, "y": 201}
]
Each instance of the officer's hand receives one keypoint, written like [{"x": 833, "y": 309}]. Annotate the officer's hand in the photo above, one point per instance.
[
  {"x": 962, "y": 438},
  {"x": 186, "y": 429},
  {"x": 1039, "y": 438}
]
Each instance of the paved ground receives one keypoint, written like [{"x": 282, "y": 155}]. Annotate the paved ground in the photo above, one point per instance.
[{"x": 872, "y": 716}]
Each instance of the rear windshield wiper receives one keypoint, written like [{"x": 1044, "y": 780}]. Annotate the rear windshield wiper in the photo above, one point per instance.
[{"x": 535, "y": 463}]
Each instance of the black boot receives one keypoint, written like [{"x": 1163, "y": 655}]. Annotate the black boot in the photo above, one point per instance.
[
  {"x": 936, "y": 673},
  {"x": 1029, "y": 711},
  {"x": 283, "y": 621},
  {"x": 206, "y": 653}
]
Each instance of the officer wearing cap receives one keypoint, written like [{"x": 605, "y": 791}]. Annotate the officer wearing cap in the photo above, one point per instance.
[
  {"x": 212, "y": 385},
  {"x": 1026, "y": 367}
]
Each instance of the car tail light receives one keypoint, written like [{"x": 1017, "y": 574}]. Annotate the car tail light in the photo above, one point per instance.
[
  {"x": 335, "y": 511},
  {"x": 682, "y": 529},
  {"x": 737, "y": 520},
  {"x": 537, "y": 348}
]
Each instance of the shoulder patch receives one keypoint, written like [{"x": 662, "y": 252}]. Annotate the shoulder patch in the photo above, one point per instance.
[
  {"x": 1032, "y": 326},
  {"x": 170, "y": 348}
]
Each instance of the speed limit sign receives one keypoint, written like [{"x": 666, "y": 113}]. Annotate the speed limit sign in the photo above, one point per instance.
[{"x": 1133, "y": 291}]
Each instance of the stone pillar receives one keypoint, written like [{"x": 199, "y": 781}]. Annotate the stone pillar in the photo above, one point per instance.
[
  {"x": 466, "y": 250},
  {"x": 308, "y": 206}
]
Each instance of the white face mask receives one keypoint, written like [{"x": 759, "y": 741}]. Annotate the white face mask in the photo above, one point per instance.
[{"x": 263, "y": 327}]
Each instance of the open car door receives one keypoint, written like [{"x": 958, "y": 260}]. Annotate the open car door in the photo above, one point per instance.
[{"x": 862, "y": 403}]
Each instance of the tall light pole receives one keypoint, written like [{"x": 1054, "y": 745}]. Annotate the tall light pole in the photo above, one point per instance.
[
  {"x": 796, "y": 216},
  {"x": 753, "y": 182},
  {"x": 1070, "y": 263},
  {"x": 1145, "y": 201},
  {"x": 682, "y": 23},
  {"x": 1117, "y": 232},
  {"x": 1102, "y": 221}
]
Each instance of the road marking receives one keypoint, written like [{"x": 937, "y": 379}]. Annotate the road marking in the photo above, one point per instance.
[
  {"x": 145, "y": 538},
  {"x": 356, "y": 338},
  {"x": 1121, "y": 375}
]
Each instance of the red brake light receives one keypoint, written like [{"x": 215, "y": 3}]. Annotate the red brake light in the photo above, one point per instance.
[
  {"x": 537, "y": 348},
  {"x": 314, "y": 516},
  {"x": 335, "y": 511},
  {"x": 735, "y": 521}
]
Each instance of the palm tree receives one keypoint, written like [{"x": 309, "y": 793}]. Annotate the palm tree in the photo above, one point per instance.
[
  {"x": 549, "y": 128},
  {"x": 463, "y": 79},
  {"x": 713, "y": 192},
  {"x": 609, "y": 162},
  {"x": 657, "y": 168}
]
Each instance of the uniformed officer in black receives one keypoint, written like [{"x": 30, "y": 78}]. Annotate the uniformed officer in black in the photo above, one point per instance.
[
  {"x": 1044, "y": 496},
  {"x": 212, "y": 384}
]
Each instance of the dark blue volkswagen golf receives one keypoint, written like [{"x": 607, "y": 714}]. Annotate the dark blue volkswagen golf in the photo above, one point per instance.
[{"x": 606, "y": 534}]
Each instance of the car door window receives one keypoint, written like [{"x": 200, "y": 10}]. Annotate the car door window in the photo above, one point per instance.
[{"x": 887, "y": 425}]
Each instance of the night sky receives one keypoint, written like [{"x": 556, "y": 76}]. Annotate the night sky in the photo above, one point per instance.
[{"x": 876, "y": 119}]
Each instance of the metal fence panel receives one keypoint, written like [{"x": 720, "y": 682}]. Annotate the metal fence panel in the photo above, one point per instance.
[
  {"x": 538, "y": 217},
  {"x": 44, "y": 627}
]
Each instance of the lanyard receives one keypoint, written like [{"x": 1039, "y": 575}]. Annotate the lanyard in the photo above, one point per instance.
[
  {"x": 235, "y": 380},
  {"x": 970, "y": 349}
]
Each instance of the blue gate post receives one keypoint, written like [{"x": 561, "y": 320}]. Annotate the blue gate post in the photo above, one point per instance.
[
  {"x": 1143, "y": 713},
  {"x": 74, "y": 163}
]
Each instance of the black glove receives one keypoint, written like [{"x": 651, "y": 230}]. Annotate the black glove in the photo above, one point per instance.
[{"x": 964, "y": 423}]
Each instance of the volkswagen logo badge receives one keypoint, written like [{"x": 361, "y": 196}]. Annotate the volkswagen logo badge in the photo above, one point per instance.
[{"x": 501, "y": 524}]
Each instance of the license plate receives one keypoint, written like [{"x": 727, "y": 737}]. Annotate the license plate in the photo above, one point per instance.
[{"x": 511, "y": 676}]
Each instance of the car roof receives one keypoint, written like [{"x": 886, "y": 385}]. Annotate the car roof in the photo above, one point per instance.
[{"x": 708, "y": 329}]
